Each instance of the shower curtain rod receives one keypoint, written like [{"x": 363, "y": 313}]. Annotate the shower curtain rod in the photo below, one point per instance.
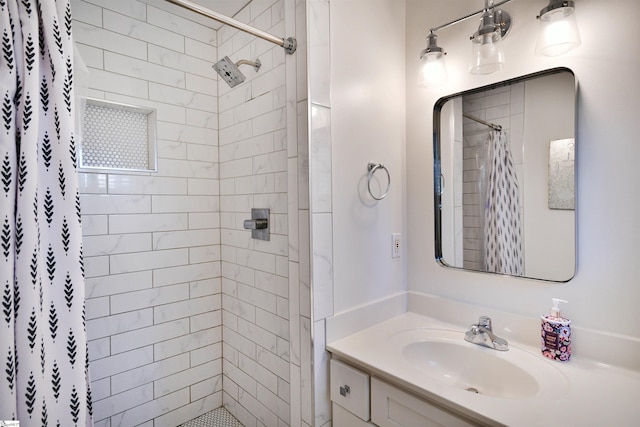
[
  {"x": 289, "y": 44},
  {"x": 476, "y": 119}
]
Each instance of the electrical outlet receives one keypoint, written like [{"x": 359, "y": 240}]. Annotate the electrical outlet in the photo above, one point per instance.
[{"x": 395, "y": 245}]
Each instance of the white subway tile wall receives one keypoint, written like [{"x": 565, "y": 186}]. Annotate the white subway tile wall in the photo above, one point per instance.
[
  {"x": 185, "y": 311},
  {"x": 253, "y": 161},
  {"x": 152, "y": 241}
]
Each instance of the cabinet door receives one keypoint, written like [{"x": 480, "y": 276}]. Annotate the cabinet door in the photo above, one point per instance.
[{"x": 392, "y": 407}]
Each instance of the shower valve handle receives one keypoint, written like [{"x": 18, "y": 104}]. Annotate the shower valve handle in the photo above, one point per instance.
[{"x": 256, "y": 224}]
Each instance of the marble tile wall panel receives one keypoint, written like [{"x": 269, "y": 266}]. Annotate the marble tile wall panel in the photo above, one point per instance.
[
  {"x": 180, "y": 21},
  {"x": 318, "y": 280},
  {"x": 320, "y": 159},
  {"x": 319, "y": 52},
  {"x": 97, "y": 37},
  {"x": 141, "y": 30},
  {"x": 133, "y": 9},
  {"x": 152, "y": 241}
]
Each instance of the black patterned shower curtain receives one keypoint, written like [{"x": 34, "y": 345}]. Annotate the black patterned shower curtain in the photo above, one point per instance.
[
  {"x": 502, "y": 222},
  {"x": 43, "y": 350}
]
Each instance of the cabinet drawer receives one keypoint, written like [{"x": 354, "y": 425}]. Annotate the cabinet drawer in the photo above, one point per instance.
[
  {"x": 392, "y": 407},
  {"x": 350, "y": 389},
  {"x": 343, "y": 418}
]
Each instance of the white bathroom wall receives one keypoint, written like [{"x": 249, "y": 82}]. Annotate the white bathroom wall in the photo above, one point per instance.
[
  {"x": 368, "y": 124},
  {"x": 604, "y": 294},
  {"x": 152, "y": 240}
]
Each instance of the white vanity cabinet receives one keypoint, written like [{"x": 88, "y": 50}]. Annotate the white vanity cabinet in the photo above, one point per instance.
[
  {"x": 515, "y": 388},
  {"x": 360, "y": 400},
  {"x": 393, "y": 407}
]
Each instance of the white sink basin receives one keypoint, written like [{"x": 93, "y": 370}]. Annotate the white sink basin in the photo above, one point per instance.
[{"x": 445, "y": 356}]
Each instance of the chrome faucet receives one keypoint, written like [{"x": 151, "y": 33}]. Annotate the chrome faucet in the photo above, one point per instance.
[{"x": 482, "y": 334}]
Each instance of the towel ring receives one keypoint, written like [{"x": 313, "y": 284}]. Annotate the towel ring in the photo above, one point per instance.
[{"x": 372, "y": 168}]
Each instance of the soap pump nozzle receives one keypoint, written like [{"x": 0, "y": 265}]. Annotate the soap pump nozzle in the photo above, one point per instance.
[{"x": 555, "y": 310}]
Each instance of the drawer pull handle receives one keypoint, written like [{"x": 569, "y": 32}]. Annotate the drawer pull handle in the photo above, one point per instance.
[{"x": 345, "y": 390}]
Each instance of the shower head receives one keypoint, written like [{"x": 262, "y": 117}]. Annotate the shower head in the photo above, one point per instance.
[{"x": 230, "y": 72}]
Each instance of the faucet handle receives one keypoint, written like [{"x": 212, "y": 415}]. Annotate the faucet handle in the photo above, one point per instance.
[{"x": 485, "y": 322}]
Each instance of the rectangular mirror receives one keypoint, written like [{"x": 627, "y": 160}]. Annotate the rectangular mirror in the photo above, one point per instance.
[{"x": 504, "y": 177}]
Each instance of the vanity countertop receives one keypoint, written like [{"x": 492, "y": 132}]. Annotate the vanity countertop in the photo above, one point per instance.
[{"x": 597, "y": 394}]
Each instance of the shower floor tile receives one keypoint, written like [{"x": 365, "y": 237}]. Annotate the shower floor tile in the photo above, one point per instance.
[{"x": 217, "y": 418}]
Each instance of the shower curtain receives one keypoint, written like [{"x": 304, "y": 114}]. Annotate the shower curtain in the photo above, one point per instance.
[
  {"x": 502, "y": 223},
  {"x": 43, "y": 350}
]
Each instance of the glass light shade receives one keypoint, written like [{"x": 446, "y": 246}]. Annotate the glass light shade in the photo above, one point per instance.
[
  {"x": 433, "y": 70},
  {"x": 487, "y": 55},
  {"x": 558, "y": 32}
]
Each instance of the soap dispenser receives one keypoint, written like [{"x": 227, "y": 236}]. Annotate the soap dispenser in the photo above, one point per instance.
[{"x": 556, "y": 333}]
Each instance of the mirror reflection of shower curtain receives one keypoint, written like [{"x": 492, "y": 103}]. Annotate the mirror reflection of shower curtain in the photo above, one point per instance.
[{"x": 502, "y": 222}]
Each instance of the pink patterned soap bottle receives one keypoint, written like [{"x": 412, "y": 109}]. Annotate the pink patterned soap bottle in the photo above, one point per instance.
[{"x": 556, "y": 334}]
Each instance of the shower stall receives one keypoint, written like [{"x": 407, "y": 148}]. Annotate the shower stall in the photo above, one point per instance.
[{"x": 185, "y": 311}]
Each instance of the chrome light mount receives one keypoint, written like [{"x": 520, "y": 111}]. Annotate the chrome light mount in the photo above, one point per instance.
[{"x": 492, "y": 20}]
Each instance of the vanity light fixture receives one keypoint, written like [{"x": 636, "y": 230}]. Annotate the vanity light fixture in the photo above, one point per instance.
[
  {"x": 487, "y": 54},
  {"x": 433, "y": 70},
  {"x": 558, "y": 32}
]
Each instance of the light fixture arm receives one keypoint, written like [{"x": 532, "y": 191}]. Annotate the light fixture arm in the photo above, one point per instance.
[{"x": 464, "y": 18}]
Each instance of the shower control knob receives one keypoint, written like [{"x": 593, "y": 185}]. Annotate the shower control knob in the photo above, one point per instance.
[
  {"x": 259, "y": 224},
  {"x": 256, "y": 224}
]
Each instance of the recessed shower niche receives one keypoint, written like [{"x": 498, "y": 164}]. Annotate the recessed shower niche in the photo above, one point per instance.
[{"x": 117, "y": 137}]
